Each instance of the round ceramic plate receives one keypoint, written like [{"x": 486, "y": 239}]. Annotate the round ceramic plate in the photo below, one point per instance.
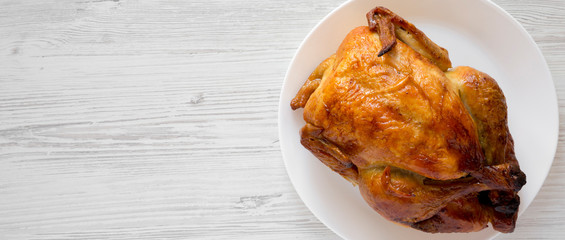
[{"x": 476, "y": 33}]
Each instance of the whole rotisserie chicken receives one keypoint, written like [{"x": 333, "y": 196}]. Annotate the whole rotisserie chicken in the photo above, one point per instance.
[{"x": 428, "y": 145}]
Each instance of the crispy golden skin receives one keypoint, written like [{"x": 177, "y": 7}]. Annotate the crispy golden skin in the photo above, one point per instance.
[{"x": 428, "y": 146}]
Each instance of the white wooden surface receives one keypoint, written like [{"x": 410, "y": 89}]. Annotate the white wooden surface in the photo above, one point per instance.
[{"x": 127, "y": 119}]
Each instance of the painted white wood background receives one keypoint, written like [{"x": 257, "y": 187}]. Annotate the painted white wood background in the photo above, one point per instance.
[{"x": 130, "y": 119}]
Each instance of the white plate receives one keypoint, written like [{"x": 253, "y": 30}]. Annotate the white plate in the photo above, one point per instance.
[{"x": 476, "y": 33}]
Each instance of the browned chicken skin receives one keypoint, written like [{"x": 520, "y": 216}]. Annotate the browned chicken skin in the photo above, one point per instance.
[{"x": 428, "y": 145}]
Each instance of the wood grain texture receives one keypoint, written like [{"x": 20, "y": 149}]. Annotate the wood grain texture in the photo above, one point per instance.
[{"x": 127, "y": 119}]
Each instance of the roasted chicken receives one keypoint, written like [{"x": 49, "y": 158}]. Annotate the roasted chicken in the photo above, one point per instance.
[{"x": 427, "y": 144}]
